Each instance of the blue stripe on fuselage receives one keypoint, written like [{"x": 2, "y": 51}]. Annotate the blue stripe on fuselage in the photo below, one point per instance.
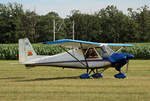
[{"x": 93, "y": 60}]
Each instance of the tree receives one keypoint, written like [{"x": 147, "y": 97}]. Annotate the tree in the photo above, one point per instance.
[
  {"x": 114, "y": 25},
  {"x": 45, "y": 27},
  {"x": 107, "y": 25},
  {"x": 143, "y": 19},
  {"x": 87, "y": 27},
  {"x": 28, "y": 24},
  {"x": 10, "y": 22}
]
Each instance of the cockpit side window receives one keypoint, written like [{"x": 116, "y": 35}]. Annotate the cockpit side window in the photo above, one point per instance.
[
  {"x": 91, "y": 53},
  {"x": 99, "y": 50}
]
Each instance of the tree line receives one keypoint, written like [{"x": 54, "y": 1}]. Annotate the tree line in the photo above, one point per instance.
[{"x": 106, "y": 25}]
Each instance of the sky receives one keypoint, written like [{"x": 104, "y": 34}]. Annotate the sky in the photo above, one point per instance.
[{"x": 64, "y": 7}]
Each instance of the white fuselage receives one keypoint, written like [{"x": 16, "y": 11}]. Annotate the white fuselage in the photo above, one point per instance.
[{"x": 66, "y": 60}]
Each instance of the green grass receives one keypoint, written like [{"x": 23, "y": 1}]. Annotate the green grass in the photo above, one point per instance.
[{"x": 56, "y": 84}]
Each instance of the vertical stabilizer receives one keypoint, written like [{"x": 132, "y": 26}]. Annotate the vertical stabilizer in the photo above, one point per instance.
[{"x": 25, "y": 50}]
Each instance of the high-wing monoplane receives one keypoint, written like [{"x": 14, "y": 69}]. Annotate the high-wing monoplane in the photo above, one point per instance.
[{"x": 94, "y": 57}]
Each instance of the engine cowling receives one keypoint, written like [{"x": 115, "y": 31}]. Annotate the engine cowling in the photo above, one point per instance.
[{"x": 120, "y": 59}]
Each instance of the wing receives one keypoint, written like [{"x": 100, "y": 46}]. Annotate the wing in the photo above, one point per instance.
[
  {"x": 73, "y": 43},
  {"x": 121, "y": 45},
  {"x": 78, "y": 43}
]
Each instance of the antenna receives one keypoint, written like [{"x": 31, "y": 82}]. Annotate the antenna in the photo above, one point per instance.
[
  {"x": 73, "y": 30},
  {"x": 54, "y": 30},
  {"x": 62, "y": 23}
]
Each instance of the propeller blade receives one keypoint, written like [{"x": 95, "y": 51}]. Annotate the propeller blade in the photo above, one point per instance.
[{"x": 127, "y": 65}]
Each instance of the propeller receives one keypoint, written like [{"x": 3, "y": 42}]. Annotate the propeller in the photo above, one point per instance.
[{"x": 127, "y": 67}]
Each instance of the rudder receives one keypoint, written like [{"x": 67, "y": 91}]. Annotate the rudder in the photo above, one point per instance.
[{"x": 25, "y": 50}]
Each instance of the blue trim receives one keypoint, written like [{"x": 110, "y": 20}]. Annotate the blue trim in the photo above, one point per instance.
[
  {"x": 85, "y": 42},
  {"x": 121, "y": 45}
]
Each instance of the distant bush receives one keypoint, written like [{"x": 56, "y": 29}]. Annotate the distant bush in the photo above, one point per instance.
[
  {"x": 10, "y": 51},
  {"x": 41, "y": 49},
  {"x": 139, "y": 51}
]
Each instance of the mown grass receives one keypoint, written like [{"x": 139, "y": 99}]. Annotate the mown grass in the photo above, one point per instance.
[{"x": 55, "y": 84}]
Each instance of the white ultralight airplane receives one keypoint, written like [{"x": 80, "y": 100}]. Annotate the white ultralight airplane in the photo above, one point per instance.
[{"x": 94, "y": 57}]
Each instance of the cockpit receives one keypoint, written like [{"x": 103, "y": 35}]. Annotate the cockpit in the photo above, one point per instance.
[{"x": 98, "y": 52}]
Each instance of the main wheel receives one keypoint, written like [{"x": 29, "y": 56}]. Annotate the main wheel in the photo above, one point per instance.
[
  {"x": 97, "y": 75},
  {"x": 85, "y": 76}
]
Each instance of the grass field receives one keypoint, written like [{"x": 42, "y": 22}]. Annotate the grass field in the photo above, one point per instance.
[{"x": 54, "y": 84}]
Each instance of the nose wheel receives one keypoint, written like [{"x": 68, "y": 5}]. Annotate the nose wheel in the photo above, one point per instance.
[{"x": 120, "y": 76}]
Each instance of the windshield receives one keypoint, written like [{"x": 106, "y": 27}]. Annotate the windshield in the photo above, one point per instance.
[{"x": 104, "y": 51}]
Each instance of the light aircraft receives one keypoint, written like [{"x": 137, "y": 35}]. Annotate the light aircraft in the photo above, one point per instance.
[{"x": 94, "y": 57}]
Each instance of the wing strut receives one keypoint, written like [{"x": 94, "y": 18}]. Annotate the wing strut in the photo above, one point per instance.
[
  {"x": 87, "y": 65},
  {"x": 72, "y": 56}
]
